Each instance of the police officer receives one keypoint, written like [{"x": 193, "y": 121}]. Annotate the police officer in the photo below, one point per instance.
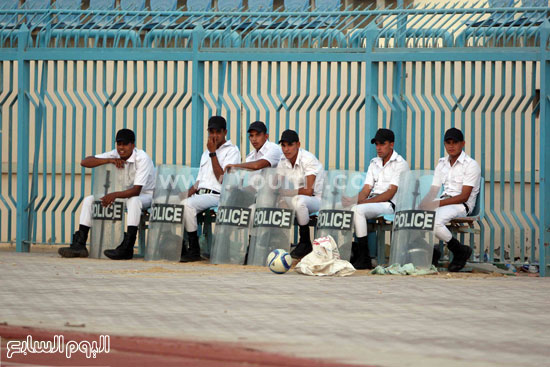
[
  {"x": 139, "y": 174},
  {"x": 460, "y": 175},
  {"x": 265, "y": 153},
  {"x": 375, "y": 199},
  {"x": 306, "y": 172},
  {"x": 205, "y": 193}
]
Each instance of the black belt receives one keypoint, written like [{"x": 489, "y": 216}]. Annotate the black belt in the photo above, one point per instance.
[
  {"x": 467, "y": 209},
  {"x": 207, "y": 191}
]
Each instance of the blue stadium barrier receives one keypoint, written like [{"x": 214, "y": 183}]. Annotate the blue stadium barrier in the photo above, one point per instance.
[{"x": 67, "y": 86}]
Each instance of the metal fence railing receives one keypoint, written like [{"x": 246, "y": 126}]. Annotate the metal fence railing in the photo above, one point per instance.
[{"x": 70, "y": 78}]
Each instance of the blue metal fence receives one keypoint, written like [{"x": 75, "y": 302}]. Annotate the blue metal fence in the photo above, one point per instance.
[{"x": 66, "y": 87}]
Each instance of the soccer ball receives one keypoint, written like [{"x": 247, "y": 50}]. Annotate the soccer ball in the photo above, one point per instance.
[{"x": 279, "y": 261}]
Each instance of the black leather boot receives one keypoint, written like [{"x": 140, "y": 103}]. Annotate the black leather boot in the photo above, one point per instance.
[
  {"x": 124, "y": 251},
  {"x": 363, "y": 259},
  {"x": 184, "y": 250},
  {"x": 304, "y": 244},
  {"x": 461, "y": 254},
  {"x": 193, "y": 253},
  {"x": 77, "y": 248}
]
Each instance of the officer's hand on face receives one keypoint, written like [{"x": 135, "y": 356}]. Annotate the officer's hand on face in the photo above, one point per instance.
[
  {"x": 119, "y": 163},
  {"x": 108, "y": 199},
  {"x": 211, "y": 144}
]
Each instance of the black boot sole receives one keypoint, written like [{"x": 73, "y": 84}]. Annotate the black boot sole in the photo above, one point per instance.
[
  {"x": 190, "y": 259},
  {"x": 70, "y": 253},
  {"x": 116, "y": 256}
]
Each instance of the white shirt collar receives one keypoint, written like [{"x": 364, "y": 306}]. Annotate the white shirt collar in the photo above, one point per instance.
[
  {"x": 393, "y": 157},
  {"x": 460, "y": 159},
  {"x": 298, "y": 159},
  {"x": 227, "y": 143},
  {"x": 132, "y": 158}
]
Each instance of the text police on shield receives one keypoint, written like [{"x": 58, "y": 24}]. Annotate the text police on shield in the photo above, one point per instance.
[
  {"x": 414, "y": 219},
  {"x": 111, "y": 212},
  {"x": 233, "y": 216},
  {"x": 335, "y": 219},
  {"x": 167, "y": 213}
]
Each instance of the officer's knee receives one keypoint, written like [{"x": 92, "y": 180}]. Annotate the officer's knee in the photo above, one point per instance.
[
  {"x": 298, "y": 202},
  {"x": 88, "y": 200},
  {"x": 134, "y": 203}
]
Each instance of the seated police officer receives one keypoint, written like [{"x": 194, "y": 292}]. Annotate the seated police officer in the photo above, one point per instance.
[
  {"x": 375, "y": 198},
  {"x": 306, "y": 172},
  {"x": 205, "y": 193},
  {"x": 140, "y": 174},
  {"x": 265, "y": 153},
  {"x": 460, "y": 176}
]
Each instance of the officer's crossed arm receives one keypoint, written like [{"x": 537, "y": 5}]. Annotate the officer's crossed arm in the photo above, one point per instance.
[
  {"x": 308, "y": 189},
  {"x": 383, "y": 197},
  {"x": 111, "y": 197},
  {"x": 428, "y": 202},
  {"x": 91, "y": 162},
  {"x": 459, "y": 199},
  {"x": 256, "y": 165},
  {"x": 364, "y": 194}
]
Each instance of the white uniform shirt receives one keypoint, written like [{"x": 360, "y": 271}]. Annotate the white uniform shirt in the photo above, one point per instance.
[
  {"x": 380, "y": 176},
  {"x": 227, "y": 154},
  {"x": 271, "y": 152},
  {"x": 306, "y": 165},
  {"x": 139, "y": 170},
  {"x": 465, "y": 172}
]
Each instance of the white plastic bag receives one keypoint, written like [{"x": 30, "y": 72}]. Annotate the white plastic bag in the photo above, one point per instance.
[{"x": 324, "y": 259}]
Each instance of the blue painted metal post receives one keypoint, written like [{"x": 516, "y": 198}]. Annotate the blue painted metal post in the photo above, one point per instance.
[
  {"x": 398, "y": 121},
  {"x": 371, "y": 117},
  {"x": 544, "y": 245},
  {"x": 197, "y": 107},
  {"x": 23, "y": 86},
  {"x": 371, "y": 82}
]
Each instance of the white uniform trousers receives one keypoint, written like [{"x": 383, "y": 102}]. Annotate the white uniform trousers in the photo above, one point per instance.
[
  {"x": 443, "y": 215},
  {"x": 304, "y": 205},
  {"x": 133, "y": 207},
  {"x": 196, "y": 204},
  {"x": 362, "y": 212}
]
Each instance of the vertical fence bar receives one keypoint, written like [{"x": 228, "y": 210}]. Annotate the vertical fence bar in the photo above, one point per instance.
[
  {"x": 371, "y": 107},
  {"x": 544, "y": 246},
  {"x": 197, "y": 105},
  {"x": 23, "y": 128}
]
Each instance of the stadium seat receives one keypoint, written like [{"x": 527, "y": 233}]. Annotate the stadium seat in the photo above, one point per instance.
[
  {"x": 37, "y": 20},
  {"x": 132, "y": 20},
  {"x": 8, "y": 20},
  {"x": 163, "y": 20},
  {"x": 68, "y": 19}
]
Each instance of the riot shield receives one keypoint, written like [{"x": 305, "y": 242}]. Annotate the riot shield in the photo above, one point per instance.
[
  {"x": 340, "y": 191},
  {"x": 165, "y": 234},
  {"x": 234, "y": 218},
  {"x": 413, "y": 225},
  {"x": 273, "y": 217},
  {"x": 107, "y": 222}
]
